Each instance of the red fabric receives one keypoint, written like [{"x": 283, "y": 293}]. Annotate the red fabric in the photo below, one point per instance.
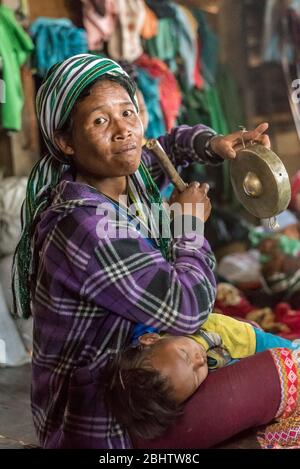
[
  {"x": 291, "y": 318},
  {"x": 199, "y": 80},
  {"x": 231, "y": 400},
  {"x": 240, "y": 310},
  {"x": 295, "y": 187},
  {"x": 170, "y": 95}
]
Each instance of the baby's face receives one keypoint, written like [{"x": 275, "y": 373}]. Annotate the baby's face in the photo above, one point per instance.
[{"x": 183, "y": 361}]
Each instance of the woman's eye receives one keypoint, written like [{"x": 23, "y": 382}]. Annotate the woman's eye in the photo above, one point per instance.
[
  {"x": 128, "y": 113},
  {"x": 99, "y": 121}
]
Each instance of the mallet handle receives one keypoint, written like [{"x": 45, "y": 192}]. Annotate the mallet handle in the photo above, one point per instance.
[{"x": 154, "y": 145}]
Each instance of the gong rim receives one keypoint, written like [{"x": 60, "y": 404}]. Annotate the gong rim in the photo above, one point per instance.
[{"x": 267, "y": 191}]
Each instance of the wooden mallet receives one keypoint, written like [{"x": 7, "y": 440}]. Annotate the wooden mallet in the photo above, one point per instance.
[{"x": 153, "y": 145}]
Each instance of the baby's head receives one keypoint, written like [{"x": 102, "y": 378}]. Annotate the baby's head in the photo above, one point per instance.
[
  {"x": 147, "y": 384},
  {"x": 287, "y": 224}
]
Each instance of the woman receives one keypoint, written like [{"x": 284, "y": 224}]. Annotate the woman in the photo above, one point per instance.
[{"x": 88, "y": 290}]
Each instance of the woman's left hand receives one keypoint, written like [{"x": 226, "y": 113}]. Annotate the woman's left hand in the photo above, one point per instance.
[{"x": 227, "y": 146}]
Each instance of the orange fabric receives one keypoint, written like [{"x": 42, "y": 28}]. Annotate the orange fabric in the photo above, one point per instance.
[{"x": 150, "y": 27}]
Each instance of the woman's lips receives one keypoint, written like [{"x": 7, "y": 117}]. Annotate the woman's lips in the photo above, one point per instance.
[{"x": 125, "y": 149}]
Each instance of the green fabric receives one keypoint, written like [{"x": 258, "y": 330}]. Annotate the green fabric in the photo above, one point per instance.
[
  {"x": 232, "y": 106},
  {"x": 288, "y": 246},
  {"x": 154, "y": 197},
  {"x": 164, "y": 45},
  {"x": 194, "y": 108},
  {"x": 230, "y": 99},
  {"x": 15, "y": 48},
  {"x": 205, "y": 106},
  {"x": 213, "y": 103},
  {"x": 219, "y": 124}
]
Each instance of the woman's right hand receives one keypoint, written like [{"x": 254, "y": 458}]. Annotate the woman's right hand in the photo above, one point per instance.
[{"x": 193, "y": 200}]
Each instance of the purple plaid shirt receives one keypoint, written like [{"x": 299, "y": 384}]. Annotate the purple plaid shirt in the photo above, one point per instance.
[{"x": 88, "y": 292}]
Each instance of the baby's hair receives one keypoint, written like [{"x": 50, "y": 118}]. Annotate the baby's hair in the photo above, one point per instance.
[{"x": 138, "y": 396}]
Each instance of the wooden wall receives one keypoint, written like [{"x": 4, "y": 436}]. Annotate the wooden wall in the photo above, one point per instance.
[{"x": 50, "y": 8}]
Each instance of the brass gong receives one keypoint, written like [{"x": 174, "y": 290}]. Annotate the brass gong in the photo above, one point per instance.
[{"x": 260, "y": 181}]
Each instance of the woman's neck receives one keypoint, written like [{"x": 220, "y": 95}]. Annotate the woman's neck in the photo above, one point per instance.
[{"x": 112, "y": 187}]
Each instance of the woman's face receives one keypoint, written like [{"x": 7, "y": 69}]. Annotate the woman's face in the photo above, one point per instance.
[{"x": 106, "y": 138}]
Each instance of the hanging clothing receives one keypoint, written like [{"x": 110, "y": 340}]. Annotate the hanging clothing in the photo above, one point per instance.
[
  {"x": 198, "y": 77},
  {"x": 149, "y": 87},
  {"x": 99, "y": 27},
  {"x": 209, "y": 47},
  {"x": 15, "y": 48},
  {"x": 176, "y": 45},
  {"x": 170, "y": 95},
  {"x": 187, "y": 46},
  {"x": 56, "y": 40},
  {"x": 192, "y": 27},
  {"x": 162, "y": 8},
  {"x": 164, "y": 45},
  {"x": 150, "y": 26},
  {"x": 125, "y": 41}
]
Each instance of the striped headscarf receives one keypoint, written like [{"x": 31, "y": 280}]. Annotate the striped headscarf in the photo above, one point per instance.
[{"x": 56, "y": 97}]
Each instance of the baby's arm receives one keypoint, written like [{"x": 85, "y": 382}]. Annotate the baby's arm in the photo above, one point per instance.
[{"x": 267, "y": 341}]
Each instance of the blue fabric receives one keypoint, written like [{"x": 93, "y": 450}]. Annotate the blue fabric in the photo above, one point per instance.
[
  {"x": 150, "y": 90},
  {"x": 141, "y": 329},
  {"x": 56, "y": 40},
  {"x": 187, "y": 50},
  {"x": 267, "y": 341}
]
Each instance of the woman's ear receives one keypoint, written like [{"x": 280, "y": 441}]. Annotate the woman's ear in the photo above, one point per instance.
[
  {"x": 149, "y": 339},
  {"x": 63, "y": 142}
]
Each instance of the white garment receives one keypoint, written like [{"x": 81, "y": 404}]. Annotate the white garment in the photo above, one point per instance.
[
  {"x": 12, "y": 194},
  {"x": 125, "y": 42},
  {"x": 12, "y": 350},
  {"x": 24, "y": 326},
  {"x": 241, "y": 267}
]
